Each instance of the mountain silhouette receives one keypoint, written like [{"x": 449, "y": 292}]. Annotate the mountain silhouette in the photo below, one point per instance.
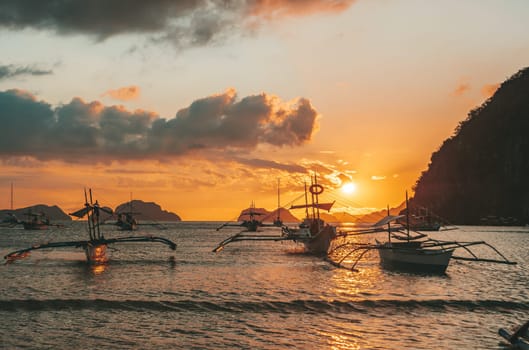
[
  {"x": 480, "y": 174},
  {"x": 147, "y": 211},
  {"x": 54, "y": 213}
]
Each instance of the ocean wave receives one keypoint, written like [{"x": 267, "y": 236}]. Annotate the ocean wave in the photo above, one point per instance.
[{"x": 284, "y": 307}]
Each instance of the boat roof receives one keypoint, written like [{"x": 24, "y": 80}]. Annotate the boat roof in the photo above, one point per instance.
[{"x": 386, "y": 220}]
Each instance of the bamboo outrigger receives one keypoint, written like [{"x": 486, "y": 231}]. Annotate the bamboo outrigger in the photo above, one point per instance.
[
  {"x": 95, "y": 246},
  {"x": 405, "y": 252}
]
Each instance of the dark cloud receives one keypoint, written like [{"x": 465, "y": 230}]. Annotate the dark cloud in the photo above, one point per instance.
[
  {"x": 270, "y": 164},
  {"x": 81, "y": 130},
  {"x": 185, "y": 22},
  {"x": 10, "y": 70}
]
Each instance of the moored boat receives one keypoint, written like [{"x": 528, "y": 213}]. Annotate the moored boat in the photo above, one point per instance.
[
  {"x": 36, "y": 221},
  {"x": 95, "y": 247}
]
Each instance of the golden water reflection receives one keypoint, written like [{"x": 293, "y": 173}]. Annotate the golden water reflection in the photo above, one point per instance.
[{"x": 98, "y": 269}]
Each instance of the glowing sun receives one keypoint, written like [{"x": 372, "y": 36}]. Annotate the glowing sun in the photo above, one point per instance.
[{"x": 348, "y": 188}]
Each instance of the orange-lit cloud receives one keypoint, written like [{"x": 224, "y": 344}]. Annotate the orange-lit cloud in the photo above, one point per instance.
[
  {"x": 124, "y": 94},
  {"x": 489, "y": 90},
  {"x": 275, "y": 8},
  {"x": 461, "y": 89},
  {"x": 80, "y": 131},
  {"x": 377, "y": 178}
]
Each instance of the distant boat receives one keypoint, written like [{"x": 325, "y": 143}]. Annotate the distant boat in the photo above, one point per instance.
[
  {"x": 36, "y": 221},
  {"x": 421, "y": 219},
  {"x": 96, "y": 246},
  {"x": 126, "y": 220},
  {"x": 10, "y": 220},
  {"x": 248, "y": 219}
]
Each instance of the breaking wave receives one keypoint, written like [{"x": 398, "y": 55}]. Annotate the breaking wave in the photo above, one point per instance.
[{"x": 282, "y": 307}]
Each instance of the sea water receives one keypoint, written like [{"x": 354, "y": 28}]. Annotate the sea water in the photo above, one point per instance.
[{"x": 252, "y": 295}]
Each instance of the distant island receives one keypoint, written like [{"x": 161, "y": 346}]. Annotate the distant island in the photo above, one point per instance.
[
  {"x": 480, "y": 174},
  {"x": 286, "y": 216},
  {"x": 147, "y": 211},
  {"x": 54, "y": 213}
]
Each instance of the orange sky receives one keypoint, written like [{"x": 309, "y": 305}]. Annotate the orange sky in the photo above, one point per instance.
[{"x": 203, "y": 117}]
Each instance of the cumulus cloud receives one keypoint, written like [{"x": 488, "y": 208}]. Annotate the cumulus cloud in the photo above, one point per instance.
[
  {"x": 124, "y": 94},
  {"x": 10, "y": 71},
  {"x": 81, "y": 130},
  {"x": 185, "y": 22}
]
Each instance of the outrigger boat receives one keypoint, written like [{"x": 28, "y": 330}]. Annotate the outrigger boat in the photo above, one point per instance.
[
  {"x": 36, "y": 221},
  {"x": 126, "y": 220},
  {"x": 404, "y": 252},
  {"x": 248, "y": 219},
  {"x": 95, "y": 247},
  {"x": 315, "y": 235}
]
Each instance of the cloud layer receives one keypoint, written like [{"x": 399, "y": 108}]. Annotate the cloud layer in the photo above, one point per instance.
[
  {"x": 185, "y": 22},
  {"x": 80, "y": 131},
  {"x": 10, "y": 71}
]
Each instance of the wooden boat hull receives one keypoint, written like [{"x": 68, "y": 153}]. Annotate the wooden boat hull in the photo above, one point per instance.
[
  {"x": 414, "y": 260},
  {"x": 96, "y": 253},
  {"x": 319, "y": 244}
]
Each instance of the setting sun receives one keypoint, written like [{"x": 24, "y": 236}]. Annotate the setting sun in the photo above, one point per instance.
[{"x": 349, "y": 188}]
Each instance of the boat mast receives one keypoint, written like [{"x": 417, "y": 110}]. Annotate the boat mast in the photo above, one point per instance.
[
  {"x": 316, "y": 200},
  {"x": 407, "y": 217},
  {"x": 389, "y": 226},
  {"x": 306, "y": 202},
  {"x": 11, "y": 196},
  {"x": 97, "y": 231},
  {"x": 89, "y": 218},
  {"x": 278, "y": 204},
  {"x": 312, "y": 199}
]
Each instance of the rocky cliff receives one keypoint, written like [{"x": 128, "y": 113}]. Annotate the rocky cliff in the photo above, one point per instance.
[{"x": 480, "y": 174}]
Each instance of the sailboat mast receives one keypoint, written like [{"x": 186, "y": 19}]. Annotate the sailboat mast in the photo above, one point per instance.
[
  {"x": 11, "y": 196},
  {"x": 389, "y": 226},
  {"x": 306, "y": 202},
  {"x": 97, "y": 233},
  {"x": 278, "y": 203},
  {"x": 312, "y": 199},
  {"x": 89, "y": 217},
  {"x": 316, "y": 199},
  {"x": 407, "y": 217}
]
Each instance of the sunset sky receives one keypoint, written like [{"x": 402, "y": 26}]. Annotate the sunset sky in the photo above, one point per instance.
[{"x": 200, "y": 106}]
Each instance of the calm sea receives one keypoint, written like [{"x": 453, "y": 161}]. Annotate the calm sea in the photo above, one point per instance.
[{"x": 265, "y": 295}]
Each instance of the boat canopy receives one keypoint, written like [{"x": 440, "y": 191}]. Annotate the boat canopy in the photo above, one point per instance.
[
  {"x": 386, "y": 220},
  {"x": 324, "y": 206}
]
